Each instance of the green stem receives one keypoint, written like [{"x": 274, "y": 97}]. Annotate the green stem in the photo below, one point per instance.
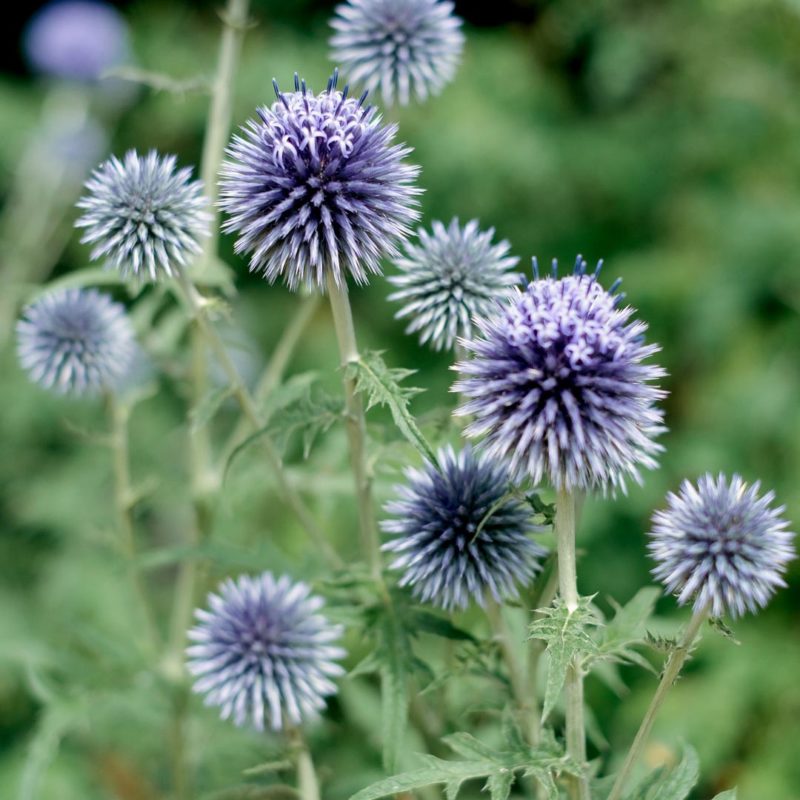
[
  {"x": 356, "y": 425},
  {"x": 677, "y": 658},
  {"x": 281, "y": 355},
  {"x": 573, "y": 686},
  {"x": 307, "y": 783},
  {"x": 198, "y": 308},
  {"x": 516, "y": 668},
  {"x": 124, "y": 499}
]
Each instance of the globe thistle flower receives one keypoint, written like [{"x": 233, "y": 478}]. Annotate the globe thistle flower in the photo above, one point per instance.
[
  {"x": 262, "y": 652},
  {"x": 722, "y": 544},
  {"x": 77, "y": 40},
  {"x": 316, "y": 186},
  {"x": 398, "y": 45},
  {"x": 458, "y": 537},
  {"x": 453, "y": 275},
  {"x": 558, "y": 388},
  {"x": 144, "y": 216},
  {"x": 76, "y": 341}
]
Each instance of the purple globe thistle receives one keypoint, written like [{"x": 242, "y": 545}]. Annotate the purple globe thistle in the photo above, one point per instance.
[
  {"x": 453, "y": 275},
  {"x": 143, "y": 216},
  {"x": 557, "y": 385},
  {"x": 76, "y": 40},
  {"x": 262, "y": 652},
  {"x": 722, "y": 544},
  {"x": 317, "y": 187},
  {"x": 76, "y": 341},
  {"x": 398, "y": 45},
  {"x": 459, "y": 536}
]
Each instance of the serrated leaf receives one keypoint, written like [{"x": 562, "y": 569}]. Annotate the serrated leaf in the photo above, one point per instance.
[
  {"x": 499, "y": 785},
  {"x": 466, "y": 745},
  {"x": 567, "y": 636},
  {"x": 670, "y": 784},
  {"x": 723, "y": 630},
  {"x": 310, "y": 415},
  {"x": 381, "y": 386}
]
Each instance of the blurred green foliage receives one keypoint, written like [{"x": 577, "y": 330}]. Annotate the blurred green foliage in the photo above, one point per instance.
[{"x": 663, "y": 137}]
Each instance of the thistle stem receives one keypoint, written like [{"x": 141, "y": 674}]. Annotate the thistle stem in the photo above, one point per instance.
[
  {"x": 197, "y": 306},
  {"x": 675, "y": 661},
  {"x": 307, "y": 783},
  {"x": 356, "y": 424},
  {"x": 123, "y": 499},
  {"x": 573, "y": 686}
]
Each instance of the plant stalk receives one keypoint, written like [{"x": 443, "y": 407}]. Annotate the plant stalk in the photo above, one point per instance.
[
  {"x": 119, "y": 414},
  {"x": 197, "y": 306},
  {"x": 307, "y": 783},
  {"x": 677, "y": 658},
  {"x": 356, "y": 425},
  {"x": 573, "y": 686}
]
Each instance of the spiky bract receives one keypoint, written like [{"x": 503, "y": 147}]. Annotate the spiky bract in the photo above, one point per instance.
[
  {"x": 314, "y": 186},
  {"x": 558, "y": 387},
  {"x": 453, "y": 275},
  {"x": 76, "y": 341},
  {"x": 721, "y": 543},
  {"x": 398, "y": 46},
  {"x": 263, "y": 653},
  {"x": 142, "y": 216},
  {"x": 457, "y": 534}
]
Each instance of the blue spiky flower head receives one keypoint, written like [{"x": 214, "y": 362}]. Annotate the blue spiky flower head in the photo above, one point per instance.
[
  {"x": 457, "y": 535},
  {"x": 76, "y": 341},
  {"x": 316, "y": 187},
  {"x": 721, "y": 543},
  {"x": 142, "y": 216},
  {"x": 263, "y": 653},
  {"x": 558, "y": 387},
  {"x": 453, "y": 275},
  {"x": 76, "y": 39},
  {"x": 398, "y": 46}
]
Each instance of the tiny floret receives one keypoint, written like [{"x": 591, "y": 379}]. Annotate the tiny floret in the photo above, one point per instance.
[
  {"x": 457, "y": 534},
  {"x": 451, "y": 276},
  {"x": 263, "y": 653},
  {"x": 76, "y": 341},
  {"x": 722, "y": 544},
  {"x": 142, "y": 216},
  {"x": 315, "y": 187},
  {"x": 558, "y": 388},
  {"x": 398, "y": 46}
]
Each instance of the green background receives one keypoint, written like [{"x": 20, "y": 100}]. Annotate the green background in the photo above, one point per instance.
[{"x": 663, "y": 137}]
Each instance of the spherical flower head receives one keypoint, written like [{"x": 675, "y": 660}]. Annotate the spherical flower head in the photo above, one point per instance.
[
  {"x": 76, "y": 341},
  {"x": 558, "y": 387},
  {"x": 76, "y": 40},
  {"x": 398, "y": 46},
  {"x": 144, "y": 217},
  {"x": 316, "y": 187},
  {"x": 722, "y": 544},
  {"x": 451, "y": 276},
  {"x": 458, "y": 537},
  {"x": 263, "y": 653}
]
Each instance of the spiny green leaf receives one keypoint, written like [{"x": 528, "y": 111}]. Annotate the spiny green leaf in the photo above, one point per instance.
[
  {"x": 499, "y": 785},
  {"x": 670, "y": 784},
  {"x": 567, "y": 637},
  {"x": 723, "y": 630},
  {"x": 381, "y": 386}
]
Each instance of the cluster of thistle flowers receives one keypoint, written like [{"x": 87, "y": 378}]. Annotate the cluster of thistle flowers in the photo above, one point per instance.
[{"x": 555, "y": 384}]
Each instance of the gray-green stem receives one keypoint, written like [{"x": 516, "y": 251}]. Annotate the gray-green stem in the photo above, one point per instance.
[
  {"x": 573, "y": 686},
  {"x": 307, "y": 783},
  {"x": 356, "y": 424},
  {"x": 199, "y": 310},
  {"x": 123, "y": 499},
  {"x": 672, "y": 668}
]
